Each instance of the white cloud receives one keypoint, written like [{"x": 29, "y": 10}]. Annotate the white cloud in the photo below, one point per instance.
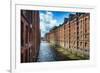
[{"x": 47, "y": 21}]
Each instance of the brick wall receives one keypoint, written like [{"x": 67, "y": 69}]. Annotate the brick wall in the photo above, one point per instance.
[
  {"x": 73, "y": 34},
  {"x": 30, "y": 35}
]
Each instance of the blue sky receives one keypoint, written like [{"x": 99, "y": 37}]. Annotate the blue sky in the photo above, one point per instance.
[{"x": 49, "y": 19}]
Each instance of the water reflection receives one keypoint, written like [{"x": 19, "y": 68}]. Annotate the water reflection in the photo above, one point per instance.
[{"x": 46, "y": 53}]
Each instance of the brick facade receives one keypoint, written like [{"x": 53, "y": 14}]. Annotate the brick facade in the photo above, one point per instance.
[
  {"x": 30, "y": 35},
  {"x": 84, "y": 34},
  {"x": 74, "y": 33}
]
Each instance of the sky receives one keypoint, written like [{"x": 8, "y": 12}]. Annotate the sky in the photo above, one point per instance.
[{"x": 49, "y": 19}]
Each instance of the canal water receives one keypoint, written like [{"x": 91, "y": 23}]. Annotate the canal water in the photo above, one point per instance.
[{"x": 46, "y": 53}]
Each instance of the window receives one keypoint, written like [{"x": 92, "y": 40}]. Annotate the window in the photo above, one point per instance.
[
  {"x": 85, "y": 44},
  {"x": 26, "y": 36},
  {"x": 80, "y": 43},
  {"x": 86, "y": 20},
  {"x": 22, "y": 31},
  {"x": 86, "y": 50}
]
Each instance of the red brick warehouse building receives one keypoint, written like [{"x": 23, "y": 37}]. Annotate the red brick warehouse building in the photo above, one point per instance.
[
  {"x": 30, "y": 35},
  {"x": 73, "y": 34}
]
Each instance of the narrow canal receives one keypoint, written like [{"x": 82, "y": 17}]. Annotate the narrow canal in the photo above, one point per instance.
[{"x": 46, "y": 53}]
